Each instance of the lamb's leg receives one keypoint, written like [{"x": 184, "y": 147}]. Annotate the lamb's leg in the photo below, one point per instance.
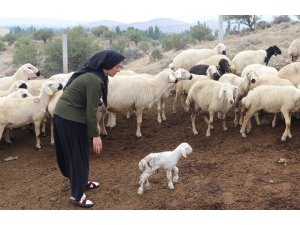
[
  {"x": 144, "y": 177},
  {"x": 7, "y": 136},
  {"x": 163, "y": 109},
  {"x": 169, "y": 176},
  {"x": 256, "y": 116},
  {"x": 139, "y": 120},
  {"x": 224, "y": 122},
  {"x": 37, "y": 126},
  {"x": 111, "y": 121},
  {"x": 43, "y": 129},
  {"x": 209, "y": 123},
  {"x": 274, "y": 120},
  {"x": 175, "y": 101},
  {"x": 176, "y": 176}
]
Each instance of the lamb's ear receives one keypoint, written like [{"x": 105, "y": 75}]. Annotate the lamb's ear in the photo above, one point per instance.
[{"x": 183, "y": 152}]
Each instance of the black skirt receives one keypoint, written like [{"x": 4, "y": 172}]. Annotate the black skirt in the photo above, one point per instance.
[{"x": 72, "y": 152}]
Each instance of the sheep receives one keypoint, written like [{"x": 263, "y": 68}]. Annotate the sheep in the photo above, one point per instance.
[
  {"x": 291, "y": 72},
  {"x": 244, "y": 85},
  {"x": 201, "y": 69},
  {"x": 166, "y": 160},
  {"x": 61, "y": 77},
  {"x": 188, "y": 58},
  {"x": 183, "y": 87},
  {"x": 23, "y": 73},
  {"x": 126, "y": 72},
  {"x": 259, "y": 69},
  {"x": 17, "y": 112},
  {"x": 244, "y": 58},
  {"x": 273, "y": 99},
  {"x": 210, "y": 96},
  {"x": 127, "y": 93},
  {"x": 14, "y": 87},
  {"x": 217, "y": 60},
  {"x": 294, "y": 50}
]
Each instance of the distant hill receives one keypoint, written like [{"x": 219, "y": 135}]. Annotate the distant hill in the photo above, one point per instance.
[{"x": 165, "y": 24}]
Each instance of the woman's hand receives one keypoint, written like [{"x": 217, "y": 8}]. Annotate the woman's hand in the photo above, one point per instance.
[{"x": 97, "y": 145}]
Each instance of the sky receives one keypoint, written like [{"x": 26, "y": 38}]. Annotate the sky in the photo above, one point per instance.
[{"x": 129, "y": 11}]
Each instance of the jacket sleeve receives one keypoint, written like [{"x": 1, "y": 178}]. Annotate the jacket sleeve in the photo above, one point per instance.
[{"x": 93, "y": 94}]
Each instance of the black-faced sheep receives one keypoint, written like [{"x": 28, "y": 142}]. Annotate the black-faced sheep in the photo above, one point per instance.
[
  {"x": 201, "y": 69},
  {"x": 244, "y": 58}
]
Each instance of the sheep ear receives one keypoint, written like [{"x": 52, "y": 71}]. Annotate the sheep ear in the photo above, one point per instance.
[{"x": 183, "y": 152}]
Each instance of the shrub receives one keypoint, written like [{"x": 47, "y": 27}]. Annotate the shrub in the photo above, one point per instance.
[{"x": 156, "y": 55}]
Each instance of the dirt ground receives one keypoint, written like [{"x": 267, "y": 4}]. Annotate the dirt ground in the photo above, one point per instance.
[{"x": 225, "y": 171}]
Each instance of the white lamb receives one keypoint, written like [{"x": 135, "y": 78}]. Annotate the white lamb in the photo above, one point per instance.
[
  {"x": 14, "y": 87},
  {"x": 166, "y": 160},
  {"x": 17, "y": 112},
  {"x": 188, "y": 58},
  {"x": 259, "y": 69},
  {"x": 245, "y": 58},
  {"x": 272, "y": 99},
  {"x": 294, "y": 50},
  {"x": 210, "y": 96},
  {"x": 128, "y": 93},
  {"x": 25, "y": 72}
]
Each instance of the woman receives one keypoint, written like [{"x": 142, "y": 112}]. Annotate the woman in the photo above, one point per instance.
[{"x": 75, "y": 121}]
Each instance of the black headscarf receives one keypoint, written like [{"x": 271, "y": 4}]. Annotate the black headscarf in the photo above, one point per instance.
[{"x": 107, "y": 60}]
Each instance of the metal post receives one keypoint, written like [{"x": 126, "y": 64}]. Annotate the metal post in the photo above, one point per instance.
[
  {"x": 65, "y": 52},
  {"x": 221, "y": 32}
]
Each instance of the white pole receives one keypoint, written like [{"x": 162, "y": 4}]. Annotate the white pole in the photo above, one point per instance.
[
  {"x": 221, "y": 32},
  {"x": 65, "y": 52}
]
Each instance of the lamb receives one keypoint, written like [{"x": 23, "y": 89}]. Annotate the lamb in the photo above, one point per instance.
[
  {"x": 188, "y": 58},
  {"x": 294, "y": 50},
  {"x": 201, "y": 69},
  {"x": 127, "y": 93},
  {"x": 291, "y": 72},
  {"x": 166, "y": 160},
  {"x": 25, "y": 72},
  {"x": 210, "y": 96},
  {"x": 273, "y": 99},
  {"x": 244, "y": 58},
  {"x": 14, "y": 87},
  {"x": 17, "y": 112},
  {"x": 259, "y": 69},
  {"x": 183, "y": 87}
]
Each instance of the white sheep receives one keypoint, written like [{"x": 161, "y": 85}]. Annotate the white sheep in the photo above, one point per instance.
[
  {"x": 166, "y": 160},
  {"x": 182, "y": 87},
  {"x": 259, "y": 69},
  {"x": 294, "y": 50},
  {"x": 14, "y": 87},
  {"x": 272, "y": 99},
  {"x": 291, "y": 72},
  {"x": 244, "y": 85},
  {"x": 210, "y": 96},
  {"x": 17, "y": 112},
  {"x": 245, "y": 58},
  {"x": 25, "y": 72},
  {"x": 188, "y": 58}
]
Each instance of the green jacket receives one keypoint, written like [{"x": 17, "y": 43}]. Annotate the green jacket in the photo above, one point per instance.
[{"x": 80, "y": 101}]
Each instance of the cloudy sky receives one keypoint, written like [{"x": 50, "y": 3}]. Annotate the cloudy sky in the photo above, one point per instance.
[{"x": 129, "y": 11}]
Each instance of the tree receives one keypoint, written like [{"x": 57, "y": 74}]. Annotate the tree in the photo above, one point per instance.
[
  {"x": 248, "y": 20},
  {"x": 25, "y": 51},
  {"x": 134, "y": 35},
  {"x": 201, "y": 32},
  {"x": 100, "y": 30},
  {"x": 43, "y": 34}
]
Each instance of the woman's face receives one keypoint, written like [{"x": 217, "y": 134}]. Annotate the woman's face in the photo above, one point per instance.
[{"x": 112, "y": 72}]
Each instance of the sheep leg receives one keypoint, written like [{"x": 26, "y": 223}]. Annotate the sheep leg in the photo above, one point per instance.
[
  {"x": 236, "y": 117},
  {"x": 7, "y": 136},
  {"x": 193, "y": 118},
  {"x": 159, "y": 110},
  {"x": 111, "y": 121},
  {"x": 182, "y": 99},
  {"x": 43, "y": 129},
  {"x": 224, "y": 122},
  {"x": 1, "y": 131},
  {"x": 247, "y": 117},
  {"x": 176, "y": 176},
  {"x": 257, "y": 119},
  {"x": 287, "y": 132},
  {"x": 144, "y": 177},
  {"x": 139, "y": 120},
  {"x": 175, "y": 102},
  {"x": 274, "y": 120},
  {"x": 169, "y": 176},
  {"x": 163, "y": 109},
  {"x": 209, "y": 122},
  {"x": 52, "y": 131},
  {"x": 37, "y": 126}
]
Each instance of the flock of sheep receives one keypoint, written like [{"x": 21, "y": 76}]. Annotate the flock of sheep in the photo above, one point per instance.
[{"x": 204, "y": 79}]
